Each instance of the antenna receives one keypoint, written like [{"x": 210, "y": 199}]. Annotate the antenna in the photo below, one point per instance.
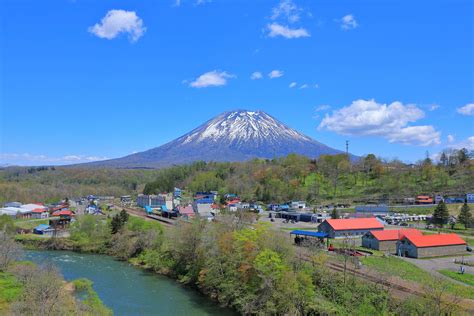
[{"x": 347, "y": 148}]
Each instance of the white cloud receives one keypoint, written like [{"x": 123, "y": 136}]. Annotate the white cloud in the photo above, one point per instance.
[
  {"x": 468, "y": 143},
  {"x": 275, "y": 74},
  {"x": 369, "y": 118},
  {"x": 282, "y": 30},
  {"x": 292, "y": 85},
  {"x": 286, "y": 9},
  {"x": 119, "y": 21},
  {"x": 304, "y": 86},
  {"x": 323, "y": 107},
  {"x": 468, "y": 109},
  {"x": 316, "y": 86},
  {"x": 433, "y": 107},
  {"x": 27, "y": 159},
  {"x": 211, "y": 79},
  {"x": 450, "y": 138},
  {"x": 348, "y": 22},
  {"x": 256, "y": 75}
]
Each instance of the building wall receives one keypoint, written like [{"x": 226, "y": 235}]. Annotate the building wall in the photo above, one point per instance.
[
  {"x": 440, "y": 251},
  {"x": 326, "y": 228},
  {"x": 410, "y": 250},
  {"x": 352, "y": 233},
  {"x": 368, "y": 241}
]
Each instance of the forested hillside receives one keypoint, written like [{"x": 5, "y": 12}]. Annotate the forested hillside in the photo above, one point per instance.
[{"x": 293, "y": 177}]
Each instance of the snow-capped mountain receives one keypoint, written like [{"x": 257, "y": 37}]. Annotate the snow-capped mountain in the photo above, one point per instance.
[{"x": 231, "y": 136}]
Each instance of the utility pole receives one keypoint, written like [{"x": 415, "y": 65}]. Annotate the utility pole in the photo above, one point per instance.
[{"x": 347, "y": 148}]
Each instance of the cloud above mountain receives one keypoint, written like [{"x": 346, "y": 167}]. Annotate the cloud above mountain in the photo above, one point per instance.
[
  {"x": 213, "y": 78},
  {"x": 369, "y": 118}
]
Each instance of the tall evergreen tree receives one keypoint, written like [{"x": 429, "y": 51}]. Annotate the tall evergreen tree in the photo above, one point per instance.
[
  {"x": 441, "y": 214},
  {"x": 334, "y": 213},
  {"x": 465, "y": 216},
  {"x": 124, "y": 216}
]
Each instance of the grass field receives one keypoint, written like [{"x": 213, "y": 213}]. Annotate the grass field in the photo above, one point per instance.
[
  {"x": 465, "y": 278},
  {"x": 397, "y": 267},
  {"x": 30, "y": 223},
  {"x": 10, "y": 289}
]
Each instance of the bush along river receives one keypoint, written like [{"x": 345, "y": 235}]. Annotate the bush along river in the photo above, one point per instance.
[{"x": 128, "y": 290}]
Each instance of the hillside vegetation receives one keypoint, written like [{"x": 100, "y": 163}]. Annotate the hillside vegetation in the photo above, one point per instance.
[{"x": 328, "y": 178}]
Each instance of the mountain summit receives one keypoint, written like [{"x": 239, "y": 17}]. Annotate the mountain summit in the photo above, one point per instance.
[{"x": 231, "y": 136}]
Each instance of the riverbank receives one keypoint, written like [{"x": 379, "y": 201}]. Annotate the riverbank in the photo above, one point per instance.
[
  {"x": 25, "y": 282},
  {"x": 126, "y": 289}
]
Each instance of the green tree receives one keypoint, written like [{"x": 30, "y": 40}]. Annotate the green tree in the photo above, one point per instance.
[
  {"x": 465, "y": 216},
  {"x": 116, "y": 224},
  {"x": 441, "y": 214},
  {"x": 334, "y": 213},
  {"x": 124, "y": 216}
]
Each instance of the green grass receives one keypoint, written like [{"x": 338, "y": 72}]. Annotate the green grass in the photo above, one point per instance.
[
  {"x": 408, "y": 271},
  {"x": 465, "y": 278},
  {"x": 10, "y": 289},
  {"x": 30, "y": 223},
  {"x": 83, "y": 287}
]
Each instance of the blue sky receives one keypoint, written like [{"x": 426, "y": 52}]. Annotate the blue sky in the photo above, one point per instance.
[{"x": 84, "y": 80}]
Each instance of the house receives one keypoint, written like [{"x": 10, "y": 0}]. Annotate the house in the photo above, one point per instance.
[
  {"x": 455, "y": 199},
  {"x": 40, "y": 213},
  {"x": 204, "y": 197},
  {"x": 424, "y": 199},
  {"x": 186, "y": 211},
  {"x": 298, "y": 205},
  {"x": 9, "y": 211},
  {"x": 93, "y": 210},
  {"x": 422, "y": 246},
  {"x": 204, "y": 210},
  {"x": 386, "y": 240},
  {"x": 353, "y": 227},
  {"x": 154, "y": 201},
  {"x": 438, "y": 198},
  {"x": 43, "y": 229},
  {"x": 126, "y": 200},
  {"x": 12, "y": 204},
  {"x": 63, "y": 214},
  {"x": 177, "y": 192},
  {"x": 470, "y": 198}
]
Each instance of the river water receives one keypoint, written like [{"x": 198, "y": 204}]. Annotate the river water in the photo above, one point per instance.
[{"x": 128, "y": 290}]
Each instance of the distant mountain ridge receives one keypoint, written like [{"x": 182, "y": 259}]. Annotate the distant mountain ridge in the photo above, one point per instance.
[{"x": 231, "y": 136}]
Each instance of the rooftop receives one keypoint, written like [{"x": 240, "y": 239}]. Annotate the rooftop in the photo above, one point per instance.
[
  {"x": 355, "y": 223},
  {"x": 435, "y": 240},
  {"x": 393, "y": 234}
]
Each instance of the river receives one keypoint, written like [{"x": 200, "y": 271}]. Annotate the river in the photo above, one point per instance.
[{"x": 128, "y": 290}]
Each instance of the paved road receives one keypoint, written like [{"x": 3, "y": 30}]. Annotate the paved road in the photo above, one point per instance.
[{"x": 433, "y": 265}]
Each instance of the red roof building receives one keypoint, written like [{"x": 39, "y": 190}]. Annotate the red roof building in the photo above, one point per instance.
[
  {"x": 186, "y": 210},
  {"x": 394, "y": 234},
  {"x": 63, "y": 213},
  {"x": 386, "y": 240},
  {"x": 439, "y": 240},
  {"x": 421, "y": 246},
  {"x": 349, "y": 227}
]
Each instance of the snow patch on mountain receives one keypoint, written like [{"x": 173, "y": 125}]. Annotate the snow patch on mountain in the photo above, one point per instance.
[{"x": 239, "y": 127}]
